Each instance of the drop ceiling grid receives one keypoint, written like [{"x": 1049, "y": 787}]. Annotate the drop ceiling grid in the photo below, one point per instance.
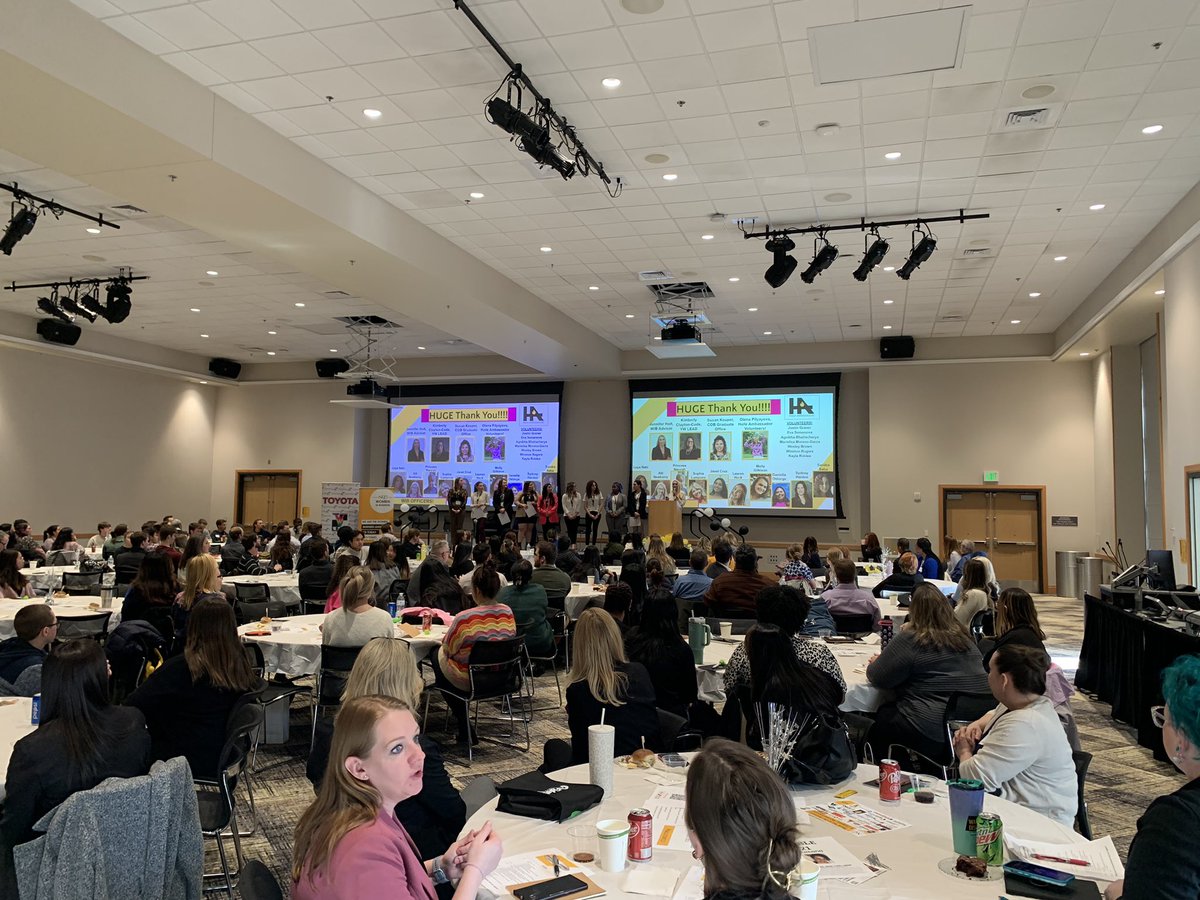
[{"x": 735, "y": 63}]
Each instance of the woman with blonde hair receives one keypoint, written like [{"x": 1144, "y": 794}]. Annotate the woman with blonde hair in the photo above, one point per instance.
[
  {"x": 604, "y": 681},
  {"x": 357, "y": 621},
  {"x": 435, "y": 816},
  {"x": 658, "y": 550},
  {"x": 341, "y": 568},
  {"x": 201, "y": 578},
  {"x": 350, "y": 844}
]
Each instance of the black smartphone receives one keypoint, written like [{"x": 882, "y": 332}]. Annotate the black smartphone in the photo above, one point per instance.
[{"x": 548, "y": 890}]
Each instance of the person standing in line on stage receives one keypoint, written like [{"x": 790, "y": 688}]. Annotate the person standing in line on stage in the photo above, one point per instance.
[
  {"x": 479, "y": 500},
  {"x": 547, "y": 512},
  {"x": 572, "y": 511},
  {"x": 526, "y": 514},
  {"x": 503, "y": 505},
  {"x": 615, "y": 511},
  {"x": 456, "y": 503},
  {"x": 637, "y": 508},
  {"x": 593, "y": 507}
]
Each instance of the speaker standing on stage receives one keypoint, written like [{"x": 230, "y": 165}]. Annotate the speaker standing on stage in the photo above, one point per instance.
[
  {"x": 614, "y": 511},
  {"x": 456, "y": 502}
]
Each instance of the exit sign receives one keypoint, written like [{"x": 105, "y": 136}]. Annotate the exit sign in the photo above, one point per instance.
[{"x": 991, "y": 477}]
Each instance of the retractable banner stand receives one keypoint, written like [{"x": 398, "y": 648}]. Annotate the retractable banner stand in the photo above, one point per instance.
[
  {"x": 339, "y": 505},
  {"x": 375, "y": 507}
]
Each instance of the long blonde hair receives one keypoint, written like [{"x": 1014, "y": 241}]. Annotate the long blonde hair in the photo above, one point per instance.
[
  {"x": 385, "y": 667},
  {"x": 357, "y": 588},
  {"x": 932, "y": 621},
  {"x": 657, "y": 550},
  {"x": 200, "y": 577},
  {"x": 598, "y": 648},
  {"x": 343, "y": 803}
]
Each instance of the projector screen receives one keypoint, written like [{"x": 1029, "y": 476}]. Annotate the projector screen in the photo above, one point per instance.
[
  {"x": 478, "y": 438},
  {"x": 754, "y": 445}
]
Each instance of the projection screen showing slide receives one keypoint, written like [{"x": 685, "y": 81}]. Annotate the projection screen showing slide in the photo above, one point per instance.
[
  {"x": 757, "y": 449},
  {"x": 480, "y": 439}
]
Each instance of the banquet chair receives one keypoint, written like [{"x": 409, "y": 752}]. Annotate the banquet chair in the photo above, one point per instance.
[
  {"x": 336, "y": 663},
  {"x": 963, "y": 708},
  {"x": 272, "y": 692},
  {"x": 1082, "y": 760},
  {"x": 93, "y": 626},
  {"x": 983, "y": 624},
  {"x": 677, "y": 733},
  {"x": 81, "y": 584},
  {"x": 61, "y": 557},
  {"x": 854, "y": 623},
  {"x": 258, "y": 883},
  {"x": 557, "y": 619},
  {"x": 215, "y": 796}
]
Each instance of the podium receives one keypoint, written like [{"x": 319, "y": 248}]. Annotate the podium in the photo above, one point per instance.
[{"x": 664, "y": 517}]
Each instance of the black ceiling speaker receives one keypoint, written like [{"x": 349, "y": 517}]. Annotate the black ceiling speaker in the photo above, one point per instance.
[
  {"x": 224, "y": 368},
  {"x": 902, "y": 347},
  {"x": 331, "y": 368},
  {"x": 57, "y": 332}
]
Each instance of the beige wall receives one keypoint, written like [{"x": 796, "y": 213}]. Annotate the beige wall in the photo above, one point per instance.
[
  {"x": 1032, "y": 421},
  {"x": 84, "y": 442},
  {"x": 1102, "y": 456},
  {"x": 1181, "y": 390}
]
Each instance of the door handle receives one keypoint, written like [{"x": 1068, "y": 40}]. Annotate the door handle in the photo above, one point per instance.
[{"x": 1019, "y": 543}]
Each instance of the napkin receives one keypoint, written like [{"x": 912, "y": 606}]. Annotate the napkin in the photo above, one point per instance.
[{"x": 653, "y": 881}]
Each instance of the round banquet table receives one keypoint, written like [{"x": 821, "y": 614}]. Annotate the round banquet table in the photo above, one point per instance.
[
  {"x": 912, "y": 853},
  {"x": 14, "y": 725},
  {"x": 284, "y": 586},
  {"x": 64, "y": 608},
  {"x": 295, "y": 649}
]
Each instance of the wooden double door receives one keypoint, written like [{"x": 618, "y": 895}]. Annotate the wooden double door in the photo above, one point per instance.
[
  {"x": 1007, "y": 523},
  {"x": 272, "y": 496}
]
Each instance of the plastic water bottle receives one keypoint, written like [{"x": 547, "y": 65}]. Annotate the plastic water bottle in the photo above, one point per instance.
[{"x": 885, "y": 631}]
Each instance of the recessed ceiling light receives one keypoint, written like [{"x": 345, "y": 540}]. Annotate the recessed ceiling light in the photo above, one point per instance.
[
  {"x": 766, "y": 332},
  {"x": 204, "y": 335},
  {"x": 1014, "y": 321},
  {"x": 593, "y": 287},
  {"x": 827, "y": 129},
  {"x": 611, "y": 83},
  {"x": 629, "y": 315},
  {"x": 93, "y": 231},
  {"x": 707, "y": 237},
  {"x": 420, "y": 348},
  {"x": 657, "y": 159},
  {"x": 476, "y": 195},
  {"x": 895, "y": 154},
  {"x": 300, "y": 305},
  {"x": 372, "y": 113},
  {"x": 1035, "y": 294},
  {"x": 1096, "y": 206},
  {"x": 333, "y": 350},
  {"x": 272, "y": 332},
  {"x": 204, "y": 382},
  {"x": 888, "y": 302},
  {"x": 212, "y": 272},
  {"x": 195, "y": 310},
  {"x": 889, "y": 268},
  {"x": 837, "y": 197},
  {"x": 735, "y": 278},
  {"x": 887, "y": 327},
  {"x": 657, "y": 338},
  {"x": 546, "y": 249},
  {"x": 1152, "y": 129},
  {"x": 1084, "y": 353},
  {"x": 1159, "y": 293},
  {"x": 1059, "y": 258},
  {"x": 670, "y": 176},
  {"x": 270, "y": 353},
  {"x": 1038, "y": 91},
  {"x": 752, "y": 309}
]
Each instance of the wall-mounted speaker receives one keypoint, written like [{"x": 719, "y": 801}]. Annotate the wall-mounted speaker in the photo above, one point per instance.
[
  {"x": 224, "y": 368},
  {"x": 902, "y": 347},
  {"x": 331, "y": 368},
  {"x": 57, "y": 332}
]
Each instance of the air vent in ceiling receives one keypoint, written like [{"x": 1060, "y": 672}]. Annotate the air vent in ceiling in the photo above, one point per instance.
[
  {"x": 367, "y": 322},
  {"x": 655, "y": 275},
  {"x": 129, "y": 209},
  {"x": 977, "y": 251},
  {"x": 1038, "y": 117},
  {"x": 952, "y": 318},
  {"x": 681, "y": 291},
  {"x": 335, "y": 294}
]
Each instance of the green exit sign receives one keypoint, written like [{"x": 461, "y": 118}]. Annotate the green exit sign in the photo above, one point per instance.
[{"x": 991, "y": 477}]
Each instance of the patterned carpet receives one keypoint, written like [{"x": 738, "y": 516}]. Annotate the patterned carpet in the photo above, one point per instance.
[{"x": 1123, "y": 779}]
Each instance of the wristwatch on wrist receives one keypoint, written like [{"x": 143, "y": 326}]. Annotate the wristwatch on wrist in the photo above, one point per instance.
[{"x": 438, "y": 875}]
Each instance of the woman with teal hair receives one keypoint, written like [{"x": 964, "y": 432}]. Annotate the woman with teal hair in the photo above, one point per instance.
[{"x": 1163, "y": 863}]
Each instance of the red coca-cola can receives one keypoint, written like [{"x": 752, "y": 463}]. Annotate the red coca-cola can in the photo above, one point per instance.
[
  {"x": 889, "y": 781},
  {"x": 641, "y": 834},
  {"x": 426, "y": 621}
]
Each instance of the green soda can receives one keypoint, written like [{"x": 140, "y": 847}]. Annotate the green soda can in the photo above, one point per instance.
[{"x": 989, "y": 839}]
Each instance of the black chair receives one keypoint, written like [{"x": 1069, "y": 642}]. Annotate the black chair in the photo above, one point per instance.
[
  {"x": 677, "y": 733},
  {"x": 854, "y": 623},
  {"x": 255, "y": 592},
  {"x": 258, "y": 883},
  {"x": 558, "y": 624},
  {"x": 228, "y": 566},
  {"x": 61, "y": 557},
  {"x": 81, "y": 584},
  {"x": 398, "y": 589},
  {"x": 313, "y": 607},
  {"x": 963, "y": 708},
  {"x": 496, "y": 672},
  {"x": 635, "y": 576},
  {"x": 336, "y": 663},
  {"x": 272, "y": 691},
  {"x": 983, "y": 625},
  {"x": 1082, "y": 761},
  {"x": 254, "y": 601},
  {"x": 215, "y": 796},
  {"x": 94, "y": 626}
]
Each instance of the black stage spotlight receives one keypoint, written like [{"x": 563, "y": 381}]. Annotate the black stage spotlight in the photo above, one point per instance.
[
  {"x": 871, "y": 258},
  {"x": 73, "y": 306},
  {"x": 50, "y": 308},
  {"x": 921, "y": 252},
  {"x": 90, "y": 300},
  {"x": 119, "y": 306},
  {"x": 820, "y": 262},
  {"x": 783, "y": 266},
  {"x": 532, "y": 137},
  {"x": 21, "y": 224}
]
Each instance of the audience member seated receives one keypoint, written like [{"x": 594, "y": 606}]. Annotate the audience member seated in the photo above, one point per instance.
[
  {"x": 846, "y": 598},
  {"x": 314, "y": 578},
  {"x": 871, "y": 549},
  {"x": 972, "y": 592},
  {"x": 438, "y": 589},
  {"x": 188, "y": 699},
  {"x": 381, "y": 560},
  {"x": 481, "y": 553},
  {"x": 117, "y": 541},
  {"x": 248, "y": 563},
  {"x": 657, "y": 550},
  {"x": 810, "y": 554},
  {"x": 618, "y": 600},
  {"x": 1019, "y": 749},
  {"x": 1016, "y": 623},
  {"x": 96, "y": 541},
  {"x": 611, "y": 554},
  {"x": 350, "y": 544},
  {"x": 129, "y": 562},
  {"x": 928, "y": 564},
  {"x": 434, "y": 817},
  {"x": 555, "y": 582},
  {"x": 65, "y": 541},
  {"x": 796, "y": 569},
  {"x": 1162, "y": 861},
  {"x": 528, "y": 603},
  {"x": 153, "y": 591},
  {"x": 589, "y": 566},
  {"x": 678, "y": 550},
  {"x": 722, "y": 552},
  {"x": 604, "y": 681},
  {"x": 967, "y": 552},
  {"x": 484, "y": 618},
  {"x": 357, "y": 621},
  {"x": 734, "y": 593},
  {"x": 166, "y": 543},
  {"x": 509, "y": 554},
  {"x": 778, "y": 676},
  {"x": 636, "y": 554},
  {"x": 692, "y": 585},
  {"x": 81, "y": 741},
  {"x": 930, "y": 657},
  {"x": 12, "y": 583},
  {"x": 26, "y": 542},
  {"x": 283, "y": 535},
  {"x": 36, "y": 628},
  {"x": 902, "y": 581},
  {"x": 819, "y": 621},
  {"x": 341, "y": 568},
  {"x": 566, "y": 559},
  {"x": 197, "y": 545},
  {"x": 787, "y": 609},
  {"x": 435, "y": 565},
  {"x": 657, "y": 645},
  {"x": 461, "y": 562},
  {"x": 233, "y": 549},
  {"x": 202, "y": 581},
  {"x": 410, "y": 543},
  {"x": 350, "y": 844},
  {"x": 281, "y": 556}
]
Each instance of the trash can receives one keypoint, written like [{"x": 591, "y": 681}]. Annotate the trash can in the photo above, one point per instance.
[
  {"x": 1066, "y": 572},
  {"x": 1093, "y": 572}
]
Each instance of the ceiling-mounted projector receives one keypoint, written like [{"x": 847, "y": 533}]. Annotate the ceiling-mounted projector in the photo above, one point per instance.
[
  {"x": 369, "y": 387},
  {"x": 680, "y": 338},
  {"x": 680, "y": 330}
]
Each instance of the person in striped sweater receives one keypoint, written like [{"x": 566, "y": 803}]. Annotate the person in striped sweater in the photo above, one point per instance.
[{"x": 485, "y": 620}]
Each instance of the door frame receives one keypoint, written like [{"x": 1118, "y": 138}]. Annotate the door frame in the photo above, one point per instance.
[
  {"x": 1189, "y": 472},
  {"x": 237, "y": 488},
  {"x": 1039, "y": 489}
]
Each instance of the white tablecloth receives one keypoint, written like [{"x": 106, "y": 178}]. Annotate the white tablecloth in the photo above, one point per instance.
[
  {"x": 14, "y": 725},
  {"x": 285, "y": 586},
  {"x": 912, "y": 853},
  {"x": 295, "y": 650},
  {"x": 64, "y": 608}
]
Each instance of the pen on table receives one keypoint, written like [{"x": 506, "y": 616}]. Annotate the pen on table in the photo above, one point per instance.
[
  {"x": 1062, "y": 859},
  {"x": 557, "y": 871}
]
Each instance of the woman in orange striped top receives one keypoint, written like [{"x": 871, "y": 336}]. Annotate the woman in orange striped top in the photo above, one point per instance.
[{"x": 485, "y": 620}]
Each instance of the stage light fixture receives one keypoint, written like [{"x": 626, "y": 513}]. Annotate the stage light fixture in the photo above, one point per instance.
[
  {"x": 782, "y": 268},
  {"x": 74, "y": 306},
  {"x": 119, "y": 306},
  {"x": 89, "y": 299},
  {"x": 532, "y": 137},
  {"x": 872, "y": 257},
  {"x": 50, "y": 307},
  {"x": 920, "y": 252},
  {"x": 821, "y": 261},
  {"x": 20, "y": 225}
]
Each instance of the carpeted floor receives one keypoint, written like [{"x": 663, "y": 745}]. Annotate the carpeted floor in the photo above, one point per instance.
[{"x": 1123, "y": 779}]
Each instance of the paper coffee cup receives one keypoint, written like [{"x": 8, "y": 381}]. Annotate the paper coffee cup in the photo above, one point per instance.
[
  {"x": 810, "y": 875},
  {"x": 591, "y": 579},
  {"x": 613, "y": 837},
  {"x": 726, "y": 628}
]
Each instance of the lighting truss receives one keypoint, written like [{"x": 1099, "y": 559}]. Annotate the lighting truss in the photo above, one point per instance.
[{"x": 81, "y": 296}]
